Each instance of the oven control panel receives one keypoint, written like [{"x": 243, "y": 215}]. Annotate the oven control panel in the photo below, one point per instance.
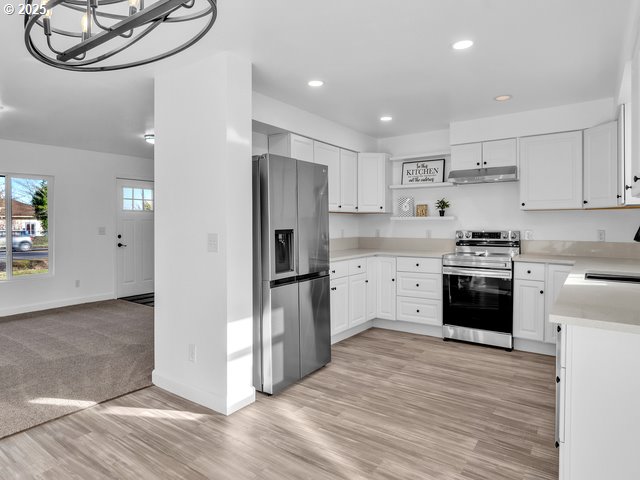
[{"x": 504, "y": 235}]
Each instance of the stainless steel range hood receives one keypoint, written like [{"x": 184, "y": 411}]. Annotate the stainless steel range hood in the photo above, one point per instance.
[{"x": 484, "y": 175}]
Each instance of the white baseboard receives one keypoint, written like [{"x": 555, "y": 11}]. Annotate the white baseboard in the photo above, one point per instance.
[
  {"x": 201, "y": 397},
  {"x": 534, "y": 347},
  {"x": 338, "y": 337},
  {"x": 408, "y": 327},
  {"x": 36, "y": 307}
]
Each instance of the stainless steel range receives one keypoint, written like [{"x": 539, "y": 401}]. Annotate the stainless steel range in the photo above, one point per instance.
[{"x": 478, "y": 287}]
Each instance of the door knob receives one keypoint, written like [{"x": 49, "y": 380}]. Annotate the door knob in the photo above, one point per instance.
[{"x": 120, "y": 245}]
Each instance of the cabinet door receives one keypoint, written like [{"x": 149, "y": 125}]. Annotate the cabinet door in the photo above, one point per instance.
[
  {"x": 357, "y": 299},
  {"x": 551, "y": 171},
  {"x": 348, "y": 181},
  {"x": 500, "y": 153},
  {"x": 466, "y": 157},
  {"x": 528, "y": 310},
  {"x": 387, "y": 288},
  {"x": 624, "y": 151},
  {"x": 333, "y": 163},
  {"x": 601, "y": 166},
  {"x": 339, "y": 305},
  {"x": 372, "y": 182},
  {"x": 302, "y": 148},
  {"x": 556, "y": 276},
  {"x": 372, "y": 287},
  {"x": 325, "y": 154}
]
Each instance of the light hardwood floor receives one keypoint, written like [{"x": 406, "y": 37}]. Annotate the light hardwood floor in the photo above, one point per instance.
[{"x": 389, "y": 406}]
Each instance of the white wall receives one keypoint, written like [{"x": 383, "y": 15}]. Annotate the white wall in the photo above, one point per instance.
[
  {"x": 497, "y": 205},
  {"x": 259, "y": 143},
  {"x": 534, "y": 122},
  {"x": 203, "y": 179},
  {"x": 274, "y": 112},
  {"x": 84, "y": 198}
]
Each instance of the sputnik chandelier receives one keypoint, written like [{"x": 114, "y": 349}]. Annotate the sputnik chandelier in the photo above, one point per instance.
[{"x": 86, "y": 35}]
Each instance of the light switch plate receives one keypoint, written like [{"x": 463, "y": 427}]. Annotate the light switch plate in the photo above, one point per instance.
[
  {"x": 102, "y": 230},
  {"x": 528, "y": 234},
  {"x": 602, "y": 235}
]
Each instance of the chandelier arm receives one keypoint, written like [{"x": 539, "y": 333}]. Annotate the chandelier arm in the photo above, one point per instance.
[
  {"x": 51, "y": 46},
  {"x": 87, "y": 65},
  {"x": 102, "y": 27},
  {"x": 61, "y": 32},
  {"x": 113, "y": 16}
]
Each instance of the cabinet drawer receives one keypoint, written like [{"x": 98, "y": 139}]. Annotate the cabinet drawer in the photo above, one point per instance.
[
  {"x": 420, "y": 310},
  {"x": 529, "y": 271},
  {"x": 357, "y": 266},
  {"x": 423, "y": 285},
  {"x": 419, "y": 265},
  {"x": 338, "y": 269}
]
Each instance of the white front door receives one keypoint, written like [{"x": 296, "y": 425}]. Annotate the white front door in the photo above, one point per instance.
[{"x": 134, "y": 237}]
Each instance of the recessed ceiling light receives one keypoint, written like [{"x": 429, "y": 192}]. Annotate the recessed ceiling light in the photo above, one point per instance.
[
  {"x": 503, "y": 98},
  {"x": 462, "y": 44},
  {"x": 386, "y": 118},
  {"x": 150, "y": 138},
  {"x": 316, "y": 83}
]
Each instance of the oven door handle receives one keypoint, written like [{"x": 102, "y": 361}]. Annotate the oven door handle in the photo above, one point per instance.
[{"x": 477, "y": 272}]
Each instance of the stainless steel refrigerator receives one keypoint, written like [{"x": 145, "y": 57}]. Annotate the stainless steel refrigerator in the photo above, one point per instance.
[{"x": 292, "y": 326}]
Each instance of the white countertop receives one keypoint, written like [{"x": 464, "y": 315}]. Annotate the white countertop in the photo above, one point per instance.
[
  {"x": 546, "y": 258},
  {"x": 339, "y": 255},
  {"x": 597, "y": 303}
]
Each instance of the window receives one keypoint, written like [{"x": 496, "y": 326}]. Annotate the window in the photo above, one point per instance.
[
  {"x": 25, "y": 250},
  {"x": 137, "y": 199}
]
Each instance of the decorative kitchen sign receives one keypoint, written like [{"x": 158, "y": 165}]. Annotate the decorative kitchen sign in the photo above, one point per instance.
[
  {"x": 423, "y": 171},
  {"x": 405, "y": 206}
]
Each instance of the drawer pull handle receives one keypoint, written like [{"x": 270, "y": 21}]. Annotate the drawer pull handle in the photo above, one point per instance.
[
  {"x": 417, "y": 284},
  {"x": 541, "y": 292},
  {"x": 417, "y": 311},
  {"x": 333, "y": 271},
  {"x": 393, "y": 279},
  {"x": 333, "y": 288},
  {"x": 529, "y": 271},
  {"x": 366, "y": 281},
  {"x": 557, "y": 379},
  {"x": 417, "y": 264},
  {"x": 359, "y": 266}
]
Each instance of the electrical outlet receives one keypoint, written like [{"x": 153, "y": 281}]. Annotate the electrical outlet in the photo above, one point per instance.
[
  {"x": 528, "y": 234},
  {"x": 377, "y": 232},
  {"x": 212, "y": 243},
  {"x": 77, "y": 283},
  {"x": 192, "y": 353},
  {"x": 602, "y": 235}
]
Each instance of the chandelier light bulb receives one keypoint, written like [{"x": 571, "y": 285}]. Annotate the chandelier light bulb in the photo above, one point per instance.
[
  {"x": 134, "y": 6},
  {"x": 85, "y": 23}
]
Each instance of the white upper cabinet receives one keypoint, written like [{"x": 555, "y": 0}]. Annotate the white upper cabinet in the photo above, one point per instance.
[
  {"x": 466, "y": 157},
  {"x": 325, "y": 154},
  {"x": 292, "y": 145},
  {"x": 500, "y": 153},
  {"x": 348, "y": 181},
  {"x": 373, "y": 173},
  {"x": 601, "y": 175},
  {"x": 624, "y": 152},
  {"x": 551, "y": 171}
]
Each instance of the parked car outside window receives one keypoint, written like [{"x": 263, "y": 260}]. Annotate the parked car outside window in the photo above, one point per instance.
[{"x": 21, "y": 241}]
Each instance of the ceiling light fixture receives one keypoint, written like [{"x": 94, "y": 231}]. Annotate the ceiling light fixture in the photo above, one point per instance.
[
  {"x": 462, "y": 44},
  {"x": 315, "y": 83},
  {"x": 150, "y": 138},
  {"x": 502, "y": 98},
  {"x": 107, "y": 27},
  {"x": 386, "y": 118}
]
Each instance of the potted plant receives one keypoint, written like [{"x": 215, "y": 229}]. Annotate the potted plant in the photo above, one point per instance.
[{"x": 441, "y": 205}]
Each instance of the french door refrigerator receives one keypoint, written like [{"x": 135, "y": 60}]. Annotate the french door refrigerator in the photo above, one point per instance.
[{"x": 292, "y": 325}]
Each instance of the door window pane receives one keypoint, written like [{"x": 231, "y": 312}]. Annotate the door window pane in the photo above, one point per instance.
[
  {"x": 137, "y": 199},
  {"x": 3, "y": 230},
  {"x": 29, "y": 226}
]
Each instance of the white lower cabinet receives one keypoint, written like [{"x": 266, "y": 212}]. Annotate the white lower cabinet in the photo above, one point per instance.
[
  {"x": 357, "y": 299},
  {"x": 535, "y": 289},
  {"x": 420, "y": 310},
  {"x": 528, "y": 310},
  {"x": 372, "y": 287},
  {"x": 556, "y": 276},
  {"x": 386, "y": 288},
  {"x": 339, "y": 305}
]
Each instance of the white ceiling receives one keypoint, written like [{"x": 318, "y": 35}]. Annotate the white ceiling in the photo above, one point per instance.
[{"x": 376, "y": 57}]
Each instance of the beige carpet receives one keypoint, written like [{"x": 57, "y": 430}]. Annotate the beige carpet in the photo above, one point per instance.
[{"x": 59, "y": 361}]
